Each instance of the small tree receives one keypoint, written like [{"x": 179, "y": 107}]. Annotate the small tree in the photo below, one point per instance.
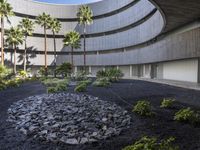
[
  {"x": 85, "y": 15},
  {"x": 5, "y": 11},
  {"x": 44, "y": 20},
  {"x": 55, "y": 26},
  {"x": 27, "y": 27},
  {"x": 14, "y": 38},
  {"x": 72, "y": 39}
]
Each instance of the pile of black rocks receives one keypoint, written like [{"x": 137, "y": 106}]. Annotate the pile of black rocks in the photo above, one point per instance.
[{"x": 68, "y": 118}]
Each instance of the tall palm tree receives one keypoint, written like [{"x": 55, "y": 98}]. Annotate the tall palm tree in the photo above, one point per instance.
[
  {"x": 27, "y": 27},
  {"x": 14, "y": 38},
  {"x": 85, "y": 15},
  {"x": 72, "y": 39},
  {"x": 55, "y": 26},
  {"x": 5, "y": 12},
  {"x": 44, "y": 21}
]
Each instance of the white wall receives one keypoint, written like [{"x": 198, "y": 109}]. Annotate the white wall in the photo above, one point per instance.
[{"x": 184, "y": 70}]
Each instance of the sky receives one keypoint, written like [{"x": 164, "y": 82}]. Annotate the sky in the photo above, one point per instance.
[{"x": 68, "y": 1}]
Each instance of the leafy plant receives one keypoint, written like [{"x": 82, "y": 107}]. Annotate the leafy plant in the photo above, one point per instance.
[
  {"x": 112, "y": 74},
  {"x": 187, "y": 115},
  {"x": 64, "y": 70},
  {"x": 23, "y": 73},
  {"x": 143, "y": 108},
  {"x": 80, "y": 76},
  {"x": 151, "y": 143},
  {"x": 102, "y": 82},
  {"x": 81, "y": 87},
  {"x": 87, "y": 82},
  {"x": 167, "y": 103}
]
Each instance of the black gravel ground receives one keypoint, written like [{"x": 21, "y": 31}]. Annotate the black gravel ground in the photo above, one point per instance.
[{"x": 125, "y": 93}]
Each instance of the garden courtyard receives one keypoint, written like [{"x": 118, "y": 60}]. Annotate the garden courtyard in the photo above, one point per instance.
[{"x": 158, "y": 122}]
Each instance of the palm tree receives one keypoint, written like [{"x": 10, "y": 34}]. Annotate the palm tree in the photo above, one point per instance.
[
  {"x": 5, "y": 12},
  {"x": 14, "y": 38},
  {"x": 55, "y": 26},
  {"x": 72, "y": 39},
  {"x": 85, "y": 15},
  {"x": 44, "y": 21},
  {"x": 27, "y": 27}
]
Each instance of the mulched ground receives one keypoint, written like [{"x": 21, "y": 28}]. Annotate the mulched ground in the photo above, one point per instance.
[{"x": 125, "y": 93}]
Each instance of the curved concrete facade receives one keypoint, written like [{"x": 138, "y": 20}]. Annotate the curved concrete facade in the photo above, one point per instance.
[{"x": 127, "y": 34}]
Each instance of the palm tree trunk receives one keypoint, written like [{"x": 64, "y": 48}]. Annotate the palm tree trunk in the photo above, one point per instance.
[
  {"x": 25, "y": 53},
  {"x": 84, "y": 44},
  {"x": 45, "y": 49},
  {"x": 72, "y": 59},
  {"x": 2, "y": 40},
  {"x": 54, "y": 38},
  {"x": 15, "y": 70}
]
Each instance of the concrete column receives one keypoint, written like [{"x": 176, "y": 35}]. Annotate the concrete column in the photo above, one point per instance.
[
  {"x": 75, "y": 69},
  {"x": 198, "y": 72},
  {"x": 131, "y": 71},
  {"x": 117, "y": 67},
  {"x": 90, "y": 69}
]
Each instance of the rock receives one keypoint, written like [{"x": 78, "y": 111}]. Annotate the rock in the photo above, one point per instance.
[
  {"x": 83, "y": 140},
  {"x": 71, "y": 141},
  {"x": 68, "y": 118}
]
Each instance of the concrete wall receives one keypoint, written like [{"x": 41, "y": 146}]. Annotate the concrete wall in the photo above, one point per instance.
[{"x": 184, "y": 70}]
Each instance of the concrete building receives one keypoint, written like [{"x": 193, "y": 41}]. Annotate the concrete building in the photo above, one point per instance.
[{"x": 155, "y": 39}]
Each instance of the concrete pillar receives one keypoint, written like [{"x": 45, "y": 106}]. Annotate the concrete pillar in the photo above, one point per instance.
[
  {"x": 117, "y": 67},
  {"x": 131, "y": 71},
  {"x": 198, "y": 72},
  {"x": 90, "y": 69},
  {"x": 75, "y": 69}
]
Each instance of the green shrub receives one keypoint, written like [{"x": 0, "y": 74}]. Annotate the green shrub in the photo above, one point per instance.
[
  {"x": 87, "y": 82},
  {"x": 64, "y": 70},
  {"x": 55, "y": 85},
  {"x": 102, "y": 82},
  {"x": 167, "y": 103},
  {"x": 187, "y": 115},
  {"x": 5, "y": 72},
  {"x": 143, "y": 108},
  {"x": 147, "y": 143},
  {"x": 22, "y": 74},
  {"x": 80, "y": 87},
  {"x": 42, "y": 72},
  {"x": 101, "y": 74},
  {"x": 13, "y": 82},
  {"x": 112, "y": 74},
  {"x": 80, "y": 76}
]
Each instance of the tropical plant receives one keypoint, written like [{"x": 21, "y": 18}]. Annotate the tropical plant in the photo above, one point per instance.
[
  {"x": 6, "y": 11},
  {"x": 167, "y": 103},
  {"x": 81, "y": 87},
  {"x": 152, "y": 143},
  {"x": 143, "y": 108},
  {"x": 27, "y": 27},
  {"x": 102, "y": 82},
  {"x": 65, "y": 69},
  {"x": 187, "y": 115},
  {"x": 44, "y": 21},
  {"x": 55, "y": 27},
  {"x": 72, "y": 39},
  {"x": 81, "y": 75},
  {"x": 14, "y": 38},
  {"x": 112, "y": 74},
  {"x": 85, "y": 15},
  {"x": 22, "y": 74}
]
